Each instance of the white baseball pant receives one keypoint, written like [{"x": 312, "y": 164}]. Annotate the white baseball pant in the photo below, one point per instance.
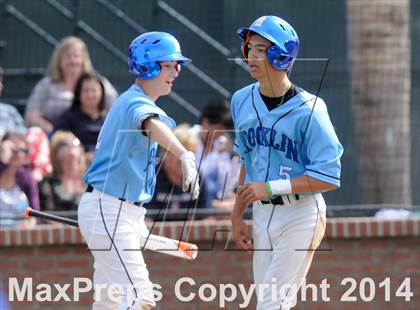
[
  {"x": 285, "y": 238},
  {"x": 112, "y": 230}
]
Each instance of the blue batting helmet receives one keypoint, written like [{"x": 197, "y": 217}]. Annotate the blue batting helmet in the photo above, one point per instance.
[
  {"x": 285, "y": 41},
  {"x": 148, "y": 49}
]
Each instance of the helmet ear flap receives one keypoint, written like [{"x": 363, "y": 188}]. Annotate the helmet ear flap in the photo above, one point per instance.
[
  {"x": 279, "y": 59},
  {"x": 148, "y": 70}
]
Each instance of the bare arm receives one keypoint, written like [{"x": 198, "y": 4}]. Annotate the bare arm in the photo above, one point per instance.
[
  {"x": 241, "y": 233},
  {"x": 239, "y": 206},
  {"x": 39, "y": 95},
  {"x": 163, "y": 135},
  {"x": 307, "y": 184},
  {"x": 303, "y": 184},
  {"x": 36, "y": 119}
]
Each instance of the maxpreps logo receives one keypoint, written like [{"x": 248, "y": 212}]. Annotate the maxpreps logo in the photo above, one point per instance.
[
  {"x": 46, "y": 292},
  {"x": 264, "y": 136},
  {"x": 56, "y": 292}
]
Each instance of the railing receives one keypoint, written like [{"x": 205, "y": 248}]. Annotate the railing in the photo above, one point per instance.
[
  {"x": 219, "y": 47},
  {"x": 206, "y": 38},
  {"x": 31, "y": 25},
  {"x": 332, "y": 211},
  {"x": 24, "y": 71},
  {"x": 122, "y": 16},
  {"x": 191, "y": 67},
  {"x": 43, "y": 34},
  {"x": 139, "y": 28}
]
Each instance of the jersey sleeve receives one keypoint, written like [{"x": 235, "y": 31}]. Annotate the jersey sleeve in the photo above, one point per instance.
[
  {"x": 237, "y": 145},
  {"x": 323, "y": 148},
  {"x": 144, "y": 110}
]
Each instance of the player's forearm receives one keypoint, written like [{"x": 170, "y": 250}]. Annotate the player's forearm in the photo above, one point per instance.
[
  {"x": 164, "y": 136},
  {"x": 240, "y": 205},
  {"x": 238, "y": 208},
  {"x": 307, "y": 184}
]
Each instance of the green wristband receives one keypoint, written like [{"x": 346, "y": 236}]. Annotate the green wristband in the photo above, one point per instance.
[{"x": 270, "y": 192}]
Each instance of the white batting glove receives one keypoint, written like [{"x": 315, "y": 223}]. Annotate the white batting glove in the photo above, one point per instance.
[{"x": 189, "y": 174}]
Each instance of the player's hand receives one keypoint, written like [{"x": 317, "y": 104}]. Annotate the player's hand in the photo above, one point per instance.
[
  {"x": 189, "y": 174},
  {"x": 252, "y": 192},
  {"x": 241, "y": 234}
]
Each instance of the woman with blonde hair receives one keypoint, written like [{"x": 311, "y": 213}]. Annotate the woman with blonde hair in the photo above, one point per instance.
[
  {"x": 54, "y": 93},
  {"x": 62, "y": 190}
]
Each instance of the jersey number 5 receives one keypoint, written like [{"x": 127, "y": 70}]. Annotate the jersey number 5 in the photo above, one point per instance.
[{"x": 285, "y": 172}]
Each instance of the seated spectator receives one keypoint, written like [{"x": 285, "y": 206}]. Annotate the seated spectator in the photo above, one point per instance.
[
  {"x": 54, "y": 93},
  {"x": 87, "y": 113},
  {"x": 214, "y": 152},
  {"x": 39, "y": 153},
  {"x": 169, "y": 197},
  {"x": 10, "y": 119},
  {"x": 62, "y": 190},
  {"x": 18, "y": 189}
]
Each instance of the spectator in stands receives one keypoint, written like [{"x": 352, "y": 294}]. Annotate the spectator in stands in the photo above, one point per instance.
[
  {"x": 18, "y": 189},
  {"x": 214, "y": 152},
  {"x": 87, "y": 113},
  {"x": 169, "y": 197},
  {"x": 10, "y": 119},
  {"x": 39, "y": 153},
  {"x": 37, "y": 141},
  {"x": 62, "y": 190},
  {"x": 54, "y": 93}
]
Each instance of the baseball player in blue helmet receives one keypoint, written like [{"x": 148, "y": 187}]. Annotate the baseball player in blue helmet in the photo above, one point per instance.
[
  {"x": 122, "y": 177},
  {"x": 290, "y": 154}
]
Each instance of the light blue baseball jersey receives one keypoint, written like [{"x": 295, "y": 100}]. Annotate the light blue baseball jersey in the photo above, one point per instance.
[
  {"x": 294, "y": 139},
  {"x": 124, "y": 159}
]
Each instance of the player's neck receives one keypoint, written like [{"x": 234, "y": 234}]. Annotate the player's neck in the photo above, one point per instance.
[
  {"x": 275, "y": 86},
  {"x": 148, "y": 89}
]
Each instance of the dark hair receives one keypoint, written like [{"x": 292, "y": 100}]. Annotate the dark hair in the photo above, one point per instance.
[
  {"x": 78, "y": 90},
  {"x": 9, "y": 135},
  {"x": 216, "y": 111},
  {"x": 1, "y": 72}
]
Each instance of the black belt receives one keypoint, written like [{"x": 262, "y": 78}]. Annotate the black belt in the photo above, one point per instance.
[
  {"x": 278, "y": 200},
  {"x": 89, "y": 189}
]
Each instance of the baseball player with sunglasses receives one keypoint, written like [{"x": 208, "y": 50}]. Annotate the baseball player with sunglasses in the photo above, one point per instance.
[
  {"x": 122, "y": 177},
  {"x": 290, "y": 154}
]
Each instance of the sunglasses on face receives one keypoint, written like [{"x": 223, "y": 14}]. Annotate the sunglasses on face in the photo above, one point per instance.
[
  {"x": 74, "y": 142},
  {"x": 23, "y": 150}
]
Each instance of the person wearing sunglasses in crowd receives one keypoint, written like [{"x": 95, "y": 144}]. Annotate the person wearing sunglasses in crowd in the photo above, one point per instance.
[{"x": 18, "y": 188}]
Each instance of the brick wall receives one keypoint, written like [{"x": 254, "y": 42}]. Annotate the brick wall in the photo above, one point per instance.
[{"x": 356, "y": 247}]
